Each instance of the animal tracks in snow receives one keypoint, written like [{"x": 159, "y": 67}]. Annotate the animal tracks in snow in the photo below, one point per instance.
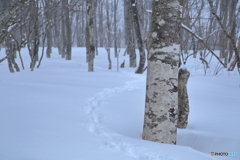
[
  {"x": 93, "y": 119},
  {"x": 116, "y": 143},
  {"x": 112, "y": 140}
]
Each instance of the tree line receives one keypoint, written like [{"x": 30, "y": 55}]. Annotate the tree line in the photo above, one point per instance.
[{"x": 209, "y": 25}]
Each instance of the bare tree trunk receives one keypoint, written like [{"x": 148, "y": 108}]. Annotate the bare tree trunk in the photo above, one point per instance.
[
  {"x": 161, "y": 105},
  {"x": 100, "y": 12},
  {"x": 83, "y": 30},
  {"x": 141, "y": 66},
  {"x": 43, "y": 41},
  {"x": 10, "y": 56},
  {"x": 115, "y": 28},
  {"x": 10, "y": 65},
  {"x": 108, "y": 36},
  {"x": 78, "y": 31},
  {"x": 183, "y": 103},
  {"x": 96, "y": 29},
  {"x": 109, "y": 58},
  {"x": 49, "y": 43},
  {"x": 63, "y": 31},
  {"x": 90, "y": 30},
  {"x": 232, "y": 26},
  {"x": 57, "y": 33},
  {"x": 224, "y": 16},
  {"x": 130, "y": 46},
  {"x": 48, "y": 29},
  {"x": 68, "y": 31},
  {"x": 33, "y": 45},
  {"x": 87, "y": 43}
]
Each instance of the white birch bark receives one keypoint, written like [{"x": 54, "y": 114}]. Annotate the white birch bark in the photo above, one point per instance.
[{"x": 161, "y": 105}]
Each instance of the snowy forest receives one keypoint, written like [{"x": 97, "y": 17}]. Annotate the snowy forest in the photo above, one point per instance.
[
  {"x": 63, "y": 24},
  {"x": 107, "y": 79}
]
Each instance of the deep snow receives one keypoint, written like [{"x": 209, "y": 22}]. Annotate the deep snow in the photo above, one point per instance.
[{"x": 62, "y": 112}]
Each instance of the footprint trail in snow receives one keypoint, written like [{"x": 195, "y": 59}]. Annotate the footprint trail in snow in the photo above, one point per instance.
[{"x": 111, "y": 139}]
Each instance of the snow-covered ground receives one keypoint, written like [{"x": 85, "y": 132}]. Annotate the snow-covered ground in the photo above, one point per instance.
[{"x": 62, "y": 112}]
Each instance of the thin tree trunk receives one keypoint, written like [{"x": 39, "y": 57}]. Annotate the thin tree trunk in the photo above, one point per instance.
[
  {"x": 115, "y": 29},
  {"x": 87, "y": 43},
  {"x": 68, "y": 32},
  {"x": 44, "y": 38},
  {"x": 90, "y": 26},
  {"x": 10, "y": 65},
  {"x": 63, "y": 31},
  {"x": 141, "y": 66},
  {"x": 232, "y": 16},
  {"x": 33, "y": 46},
  {"x": 108, "y": 36},
  {"x": 109, "y": 58},
  {"x": 129, "y": 35},
  {"x": 96, "y": 29},
  {"x": 83, "y": 31},
  {"x": 49, "y": 43},
  {"x": 100, "y": 12},
  {"x": 10, "y": 56},
  {"x": 57, "y": 35},
  {"x": 78, "y": 32},
  {"x": 48, "y": 29}
]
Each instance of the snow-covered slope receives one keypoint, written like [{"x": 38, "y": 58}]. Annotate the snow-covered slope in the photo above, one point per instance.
[{"x": 62, "y": 112}]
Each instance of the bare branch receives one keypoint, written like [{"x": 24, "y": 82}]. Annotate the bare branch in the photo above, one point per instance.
[
  {"x": 233, "y": 43},
  {"x": 201, "y": 40}
]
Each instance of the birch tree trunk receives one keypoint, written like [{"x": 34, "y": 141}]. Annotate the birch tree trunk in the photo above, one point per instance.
[
  {"x": 160, "y": 120},
  {"x": 90, "y": 30}
]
